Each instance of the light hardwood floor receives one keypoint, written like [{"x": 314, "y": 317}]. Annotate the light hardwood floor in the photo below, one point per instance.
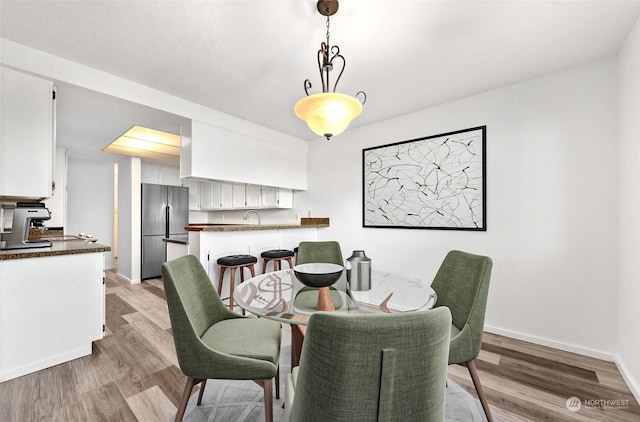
[{"x": 133, "y": 375}]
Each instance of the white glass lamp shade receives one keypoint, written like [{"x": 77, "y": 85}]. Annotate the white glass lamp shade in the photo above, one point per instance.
[{"x": 329, "y": 113}]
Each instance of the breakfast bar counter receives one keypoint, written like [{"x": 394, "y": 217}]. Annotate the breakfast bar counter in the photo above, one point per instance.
[
  {"x": 212, "y": 241},
  {"x": 305, "y": 223}
]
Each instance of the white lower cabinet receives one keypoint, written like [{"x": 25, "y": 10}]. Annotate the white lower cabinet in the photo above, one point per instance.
[
  {"x": 51, "y": 310},
  {"x": 176, "y": 250},
  {"x": 211, "y": 245}
]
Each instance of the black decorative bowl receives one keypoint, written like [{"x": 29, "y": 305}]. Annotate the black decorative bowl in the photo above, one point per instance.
[{"x": 318, "y": 274}]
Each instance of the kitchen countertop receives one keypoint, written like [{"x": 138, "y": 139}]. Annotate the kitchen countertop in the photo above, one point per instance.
[
  {"x": 180, "y": 239},
  {"x": 247, "y": 227},
  {"x": 63, "y": 245},
  {"x": 305, "y": 223}
]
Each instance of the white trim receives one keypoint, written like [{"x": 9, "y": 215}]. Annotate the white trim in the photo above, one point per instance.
[
  {"x": 46, "y": 363},
  {"x": 598, "y": 354},
  {"x": 628, "y": 378},
  {"x": 128, "y": 279}
]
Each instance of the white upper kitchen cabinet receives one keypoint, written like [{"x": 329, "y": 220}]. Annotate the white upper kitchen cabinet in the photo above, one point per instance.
[
  {"x": 239, "y": 195},
  {"x": 276, "y": 197},
  {"x": 27, "y": 136},
  {"x": 253, "y": 196},
  {"x": 216, "y": 196},
  {"x": 266, "y": 158},
  {"x": 194, "y": 193}
]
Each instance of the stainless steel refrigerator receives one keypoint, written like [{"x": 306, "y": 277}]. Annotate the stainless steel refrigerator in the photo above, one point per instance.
[{"x": 165, "y": 213}]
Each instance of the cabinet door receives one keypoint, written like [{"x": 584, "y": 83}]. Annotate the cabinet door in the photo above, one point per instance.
[
  {"x": 239, "y": 196},
  {"x": 269, "y": 197},
  {"x": 276, "y": 197},
  {"x": 26, "y": 135},
  {"x": 209, "y": 196},
  {"x": 285, "y": 198},
  {"x": 194, "y": 193},
  {"x": 216, "y": 196},
  {"x": 254, "y": 196},
  {"x": 226, "y": 195}
]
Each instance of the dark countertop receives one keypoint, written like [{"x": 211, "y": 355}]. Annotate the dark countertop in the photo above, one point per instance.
[
  {"x": 63, "y": 245},
  {"x": 247, "y": 227},
  {"x": 305, "y": 223},
  {"x": 180, "y": 239}
]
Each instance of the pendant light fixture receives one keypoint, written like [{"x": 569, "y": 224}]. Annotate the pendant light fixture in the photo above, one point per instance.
[{"x": 329, "y": 113}]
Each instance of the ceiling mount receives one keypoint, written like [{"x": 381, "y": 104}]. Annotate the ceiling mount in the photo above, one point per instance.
[{"x": 328, "y": 7}]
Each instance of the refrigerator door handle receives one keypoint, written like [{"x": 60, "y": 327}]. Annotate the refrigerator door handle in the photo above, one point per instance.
[{"x": 166, "y": 221}]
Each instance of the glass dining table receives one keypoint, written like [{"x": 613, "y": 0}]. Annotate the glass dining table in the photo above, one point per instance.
[{"x": 280, "y": 296}]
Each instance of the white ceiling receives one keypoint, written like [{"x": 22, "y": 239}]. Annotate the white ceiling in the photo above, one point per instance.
[{"x": 249, "y": 58}]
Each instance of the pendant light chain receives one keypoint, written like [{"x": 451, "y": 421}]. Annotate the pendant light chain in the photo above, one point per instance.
[
  {"x": 328, "y": 24},
  {"x": 327, "y": 66}
]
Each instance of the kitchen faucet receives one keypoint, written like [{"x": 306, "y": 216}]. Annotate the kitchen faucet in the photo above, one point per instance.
[{"x": 246, "y": 214}]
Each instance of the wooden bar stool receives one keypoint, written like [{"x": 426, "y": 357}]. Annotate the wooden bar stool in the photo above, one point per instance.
[
  {"x": 234, "y": 262},
  {"x": 277, "y": 256}
]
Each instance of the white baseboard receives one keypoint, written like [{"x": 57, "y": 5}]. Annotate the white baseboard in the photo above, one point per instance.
[
  {"x": 128, "y": 279},
  {"x": 598, "y": 354},
  {"x": 45, "y": 363},
  {"x": 628, "y": 378}
]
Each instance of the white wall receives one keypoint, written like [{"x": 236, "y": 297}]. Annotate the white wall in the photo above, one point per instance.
[
  {"x": 551, "y": 204},
  {"x": 629, "y": 223},
  {"x": 90, "y": 201},
  {"x": 57, "y": 203},
  {"x": 129, "y": 236}
]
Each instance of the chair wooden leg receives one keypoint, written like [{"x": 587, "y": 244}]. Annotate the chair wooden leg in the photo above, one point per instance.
[
  {"x": 232, "y": 278},
  {"x": 201, "y": 393},
  {"x": 475, "y": 377},
  {"x": 222, "y": 269},
  {"x": 297, "y": 338},
  {"x": 242, "y": 281},
  {"x": 264, "y": 265},
  {"x": 268, "y": 400},
  {"x": 185, "y": 397},
  {"x": 278, "y": 383},
  {"x": 290, "y": 263}
]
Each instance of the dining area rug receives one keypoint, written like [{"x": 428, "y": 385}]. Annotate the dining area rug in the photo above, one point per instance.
[{"x": 242, "y": 401}]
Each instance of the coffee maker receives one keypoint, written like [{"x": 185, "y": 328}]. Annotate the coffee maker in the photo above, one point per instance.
[{"x": 26, "y": 215}]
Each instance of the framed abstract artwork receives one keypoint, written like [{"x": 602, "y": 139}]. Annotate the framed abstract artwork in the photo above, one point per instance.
[{"x": 436, "y": 182}]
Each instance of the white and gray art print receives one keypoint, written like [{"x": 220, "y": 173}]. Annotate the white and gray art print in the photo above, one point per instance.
[{"x": 435, "y": 182}]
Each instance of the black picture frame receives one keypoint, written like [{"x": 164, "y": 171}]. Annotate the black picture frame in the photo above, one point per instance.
[{"x": 435, "y": 182}]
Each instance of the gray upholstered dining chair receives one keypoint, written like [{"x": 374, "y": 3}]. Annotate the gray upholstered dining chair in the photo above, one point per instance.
[
  {"x": 326, "y": 251},
  {"x": 462, "y": 285},
  {"x": 371, "y": 368},
  {"x": 213, "y": 342}
]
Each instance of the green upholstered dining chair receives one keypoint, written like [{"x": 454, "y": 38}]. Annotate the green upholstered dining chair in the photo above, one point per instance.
[
  {"x": 462, "y": 284},
  {"x": 327, "y": 252},
  {"x": 371, "y": 368},
  {"x": 213, "y": 342}
]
